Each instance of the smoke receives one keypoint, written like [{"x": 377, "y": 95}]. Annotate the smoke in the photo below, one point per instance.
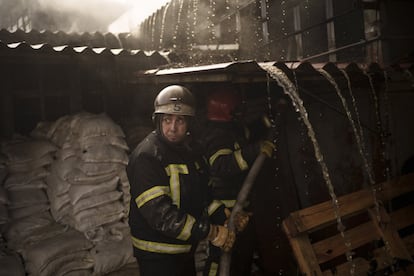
[
  {"x": 77, "y": 15},
  {"x": 130, "y": 21}
]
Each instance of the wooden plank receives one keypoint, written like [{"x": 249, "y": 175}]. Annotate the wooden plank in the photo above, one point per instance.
[
  {"x": 321, "y": 214},
  {"x": 403, "y": 217},
  {"x": 389, "y": 234},
  {"x": 361, "y": 267},
  {"x": 382, "y": 259},
  {"x": 334, "y": 246},
  {"x": 304, "y": 254},
  {"x": 409, "y": 244}
]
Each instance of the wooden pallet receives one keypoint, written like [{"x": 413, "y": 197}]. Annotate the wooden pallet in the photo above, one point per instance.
[{"x": 381, "y": 240}]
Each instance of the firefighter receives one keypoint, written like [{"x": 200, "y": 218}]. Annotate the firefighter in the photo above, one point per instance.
[
  {"x": 171, "y": 210},
  {"x": 230, "y": 153}
]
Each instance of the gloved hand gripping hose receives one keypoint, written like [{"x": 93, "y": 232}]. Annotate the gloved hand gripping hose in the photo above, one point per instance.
[{"x": 225, "y": 259}]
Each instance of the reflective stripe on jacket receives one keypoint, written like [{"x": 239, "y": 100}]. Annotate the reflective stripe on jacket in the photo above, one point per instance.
[{"x": 169, "y": 194}]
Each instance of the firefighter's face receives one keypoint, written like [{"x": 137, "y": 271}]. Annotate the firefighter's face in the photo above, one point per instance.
[{"x": 174, "y": 127}]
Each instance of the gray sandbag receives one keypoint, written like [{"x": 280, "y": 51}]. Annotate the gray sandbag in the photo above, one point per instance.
[
  {"x": 4, "y": 199},
  {"x": 39, "y": 255},
  {"x": 11, "y": 264},
  {"x": 97, "y": 125},
  {"x": 130, "y": 269},
  {"x": 60, "y": 207},
  {"x": 102, "y": 153},
  {"x": 46, "y": 232},
  {"x": 60, "y": 131},
  {"x": 88, "y": 142},
  {"x": 28, "y": 151},
  {"x": 94, "y": 169},
  {"x": 30, "y": 210},
  {"x": 71, "y": 262},
  {"x": 95, "y": 201},
  {"x": 4, "y": 215},
  {"x": 26, "y": 197},
  {"x": 23, "y": 178},
  {"x": 77, "y": 177},
  {"x": 16, "y": 231},
  {"x": 35, "y": 184},
  {"x": 110, "y": 255},
  {"x": 78, "y": 192},
  {"x": 30, "y": 165},
  {"x": 125, "y": 188},
  {"x": 41, "y": 130},
  {"x": 91, "y": 218},
  {"x": 63, "y": 167},
  {"x": 56, "y": 186},
  {"x": 67, "y": 152}
]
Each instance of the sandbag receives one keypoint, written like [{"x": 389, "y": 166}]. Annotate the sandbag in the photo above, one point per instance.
[
  {"x": 88, "y": 142},
  {"x": 94, "y": 217},
  {"x": 23, "y": 178},
  {"x": 36, "y": 184},
  {"x": 30, "y": 165},
  {"x": 27, "y": 151},
  {"x": 18, "y": 230},
  {"x": 56, "y": 186},
  {"x": 11, "y": 264},
  {"x": 110, "y": 255},
  {"x": 39, "y": 255},
  {"x": 95, "y": 201},
  {"x": 97, "y": 125},
  {"x": 77, "y": 177},
  {"x": 26, "y": 197},
  {"x": 30, "y": 210},
  {"x": 104, "y": 154},
  {"x": 4, "y": 215},
  {"x": 71, "y": 262},
  {"x": 78, "y": 192}
]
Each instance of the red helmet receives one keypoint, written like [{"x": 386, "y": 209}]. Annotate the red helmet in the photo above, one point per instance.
[{"x": 221, "y": 105}]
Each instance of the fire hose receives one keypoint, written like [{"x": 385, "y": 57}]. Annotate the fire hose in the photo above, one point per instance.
[
  {"x": 225, "y": 259},
  {"x": 270, "y": 122}
]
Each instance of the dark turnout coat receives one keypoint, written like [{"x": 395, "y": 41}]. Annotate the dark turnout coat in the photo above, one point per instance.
[
  {"x": 229, "y": 155},
  {"x": 171, "y": 205}
]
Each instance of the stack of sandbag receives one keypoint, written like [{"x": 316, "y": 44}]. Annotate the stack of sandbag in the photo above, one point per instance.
[
  {"x": 31, "y": 231},
  {"x": 27, "y": 165},
  {"x": 10, "y": 261},
  {"x": 88, "y": 188},
  {"x": 4, "y": 217}
]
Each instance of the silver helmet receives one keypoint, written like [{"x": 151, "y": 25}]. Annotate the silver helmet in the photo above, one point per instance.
[{"x": 175, "y": 99}]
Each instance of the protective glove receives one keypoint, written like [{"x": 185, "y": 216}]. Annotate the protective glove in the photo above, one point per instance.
[
  {"x": 241, "y": 219},
  {"x": 221, "y": 237},
  {"x": 267, "y": 147}
]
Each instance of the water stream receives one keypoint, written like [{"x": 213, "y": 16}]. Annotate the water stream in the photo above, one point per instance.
[
  {"x": 291, "y": 90},
  {"x": 360, "y": 144},
  {"x": 162, "y": 31},
  {"x": 354, "y": 104},
  {"x": 178, "y": 22}
]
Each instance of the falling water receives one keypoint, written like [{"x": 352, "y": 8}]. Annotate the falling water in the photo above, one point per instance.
[
  {"x": 361, "y": 147},
  {"x": 387, "y": 121},
  {"x": 374, "y": 96},
  {"x": 153, "y": 23},
  {"x": 360, "y": 144},
  {"x": 212, "y": 14},
  {"x": 164, "y": 15},
  {"x": 290, "y": 89},
  {"x": 195, "y": 12},
  {"x": 377, "y": 114},
  {"x": 358, "y": 120},
  {"x": 180, "y": 9}
]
